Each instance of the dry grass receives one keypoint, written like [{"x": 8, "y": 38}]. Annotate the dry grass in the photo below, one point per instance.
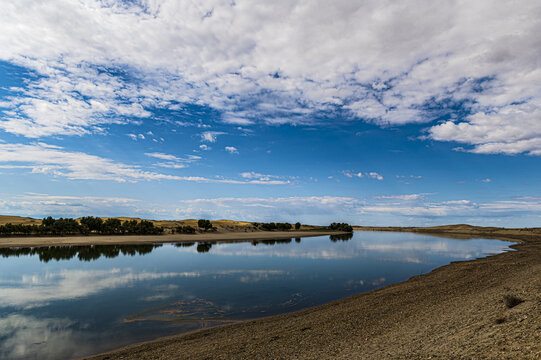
[{"x": 15, "y": 220}]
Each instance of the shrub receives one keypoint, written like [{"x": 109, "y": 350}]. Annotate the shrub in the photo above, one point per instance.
[
  {"x": 204, "y": 224},
  {"x": 185, "y": 229}
]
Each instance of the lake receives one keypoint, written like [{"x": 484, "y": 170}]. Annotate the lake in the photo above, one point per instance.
[{"x": 66, "y": 302}]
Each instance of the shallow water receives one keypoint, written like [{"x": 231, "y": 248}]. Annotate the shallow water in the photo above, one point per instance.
[{"x": 65, "y": 302}]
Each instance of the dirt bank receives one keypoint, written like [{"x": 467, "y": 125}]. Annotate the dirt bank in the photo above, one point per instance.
[
  {"x": 455, "y": 312},
  {"x": 152, "y": 239}
]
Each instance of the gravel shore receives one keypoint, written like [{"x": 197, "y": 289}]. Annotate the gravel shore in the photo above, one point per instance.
[{"x": 458, "y": 311}]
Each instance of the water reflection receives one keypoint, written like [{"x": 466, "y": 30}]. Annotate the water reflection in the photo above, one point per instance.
[
  {"x": 95, "y": 298},
  {"x": 36, "y": 290},
  {"x": 27, "y": 337},
  {"x": 341, "y": 237},
  {"x": 83, "y": 253},
  {"x": 204, "y": 247},
  {"x": 94, "y": 252}
]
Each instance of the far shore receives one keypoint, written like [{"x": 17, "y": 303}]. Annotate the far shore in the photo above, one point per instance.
[
  {"x": 458, "y": 311},
  {"x": 14, "y": 241}
]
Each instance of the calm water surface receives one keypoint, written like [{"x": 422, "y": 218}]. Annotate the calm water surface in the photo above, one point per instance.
[{"x": 65, "y": 302}]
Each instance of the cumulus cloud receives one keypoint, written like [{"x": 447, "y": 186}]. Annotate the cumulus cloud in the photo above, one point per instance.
[
  {"x": 231, "y": 150},
  {"x": 402, "y": 209},
  {"x": 354, "y": 208},
  {"x": 210, "y": 136},
  {"x": 386, "y": 62}
]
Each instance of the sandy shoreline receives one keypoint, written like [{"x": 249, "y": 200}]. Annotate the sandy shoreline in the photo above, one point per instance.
[
  {"x": 454, "y": 312},
  {"x": 153, "y": 239}
]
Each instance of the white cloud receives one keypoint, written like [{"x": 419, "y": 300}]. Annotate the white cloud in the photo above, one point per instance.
[
  {"x": 43, "y": 158},
  {"x": 370, "y": 174},
  {"x": 382, "y": 61},
  {"x": 204, "y": 147},
  {"x": 210, "y": 136},
  {"x": 398, "y": 209},
  {"x": 375, "y": 175},
  {"x": 171, "y": 165},
  {"x": 407, "y": 210},
  {"x": 401, "y": 197},
  {"x": 53, "y": 160},
  {"x": 164, "y": 156},
  {"x": 231, "y": 150},
  {"x": 33, "y": 204},
  {"x": 255, "y": 175},
  {"x": 172, "y": 161},
  {"x": 271, "y": 209}
]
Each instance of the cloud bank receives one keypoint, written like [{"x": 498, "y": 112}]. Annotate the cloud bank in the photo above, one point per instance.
[{"x": 473, "y": 65}]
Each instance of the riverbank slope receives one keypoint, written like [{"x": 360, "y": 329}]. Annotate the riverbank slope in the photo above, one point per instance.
[{"x": 457, "y": 311}]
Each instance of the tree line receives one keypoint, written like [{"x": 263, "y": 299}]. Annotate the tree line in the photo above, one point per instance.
[
  {"x": 85, "y": 226},
  {"x": 95, "y": 225},
  {"x": 276, "y": 226}
]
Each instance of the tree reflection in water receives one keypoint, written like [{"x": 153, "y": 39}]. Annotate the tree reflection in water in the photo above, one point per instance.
[
  {"x": 94, "y": 252},
  {"x": 341, "y": 237},
  {"x": 83, "y": 253},
  {"x": 203, "y": 247}
]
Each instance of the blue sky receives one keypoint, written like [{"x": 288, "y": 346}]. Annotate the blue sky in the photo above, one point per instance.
[{"x": 372, "y": 112}]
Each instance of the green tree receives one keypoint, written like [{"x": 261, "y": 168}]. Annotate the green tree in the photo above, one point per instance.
[
  {"x": 204, "y": 224},
  {"x": 112, "y": 226},
  {"x": 93, "y": 223}
]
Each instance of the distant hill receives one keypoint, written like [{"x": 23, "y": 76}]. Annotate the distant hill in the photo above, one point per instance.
[
  {"x": 458, "y": 229},
  {"x": 222, "y": 225},
  {"x": 15, "y": 220}
]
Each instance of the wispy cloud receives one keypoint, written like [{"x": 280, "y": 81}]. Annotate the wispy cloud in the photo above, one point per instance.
[
  {"x": 164, "y": 156},
  {"x": 173, "y": 162},
  {"x": 55, "y": 161},
  {"x": 406, "y": 197},
  {"x": 359, "y": 174},
  {"x": 231, "y": 150}
]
